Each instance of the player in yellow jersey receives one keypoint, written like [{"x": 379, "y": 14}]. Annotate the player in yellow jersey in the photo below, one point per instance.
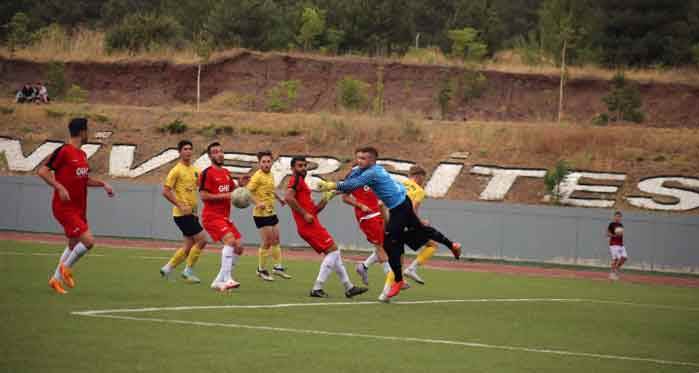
[
  {"x": 261, "y": 186},
  {"x": 416, "y": 194},
  {"x": 180, "y": 189}
]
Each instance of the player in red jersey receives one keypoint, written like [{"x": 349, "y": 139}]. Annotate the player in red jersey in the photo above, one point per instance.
[
  {"x": 67, "y": 172},
  {"x": 215, "y": 188},
  {"x": 369, "y": 212},
  {"x": 305, "y": 212}
]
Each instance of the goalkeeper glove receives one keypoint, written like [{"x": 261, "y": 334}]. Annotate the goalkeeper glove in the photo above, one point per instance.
[{"x": 326, "y": 186}]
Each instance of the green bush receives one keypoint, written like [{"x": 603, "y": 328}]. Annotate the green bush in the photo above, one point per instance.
[
  {"x": 352, "y": 93},
  {"x": 144, "y": 32},
  {"x": 467, "y": 44},
  {"x": 444, "y": 96},
  {"x": 282, "y": 96},
  {"x": 601, "y": 119},
  {"x": 76, "y": 94},
  {"x": 473, "y": 85},
  {"x": 174, "y": 127},
  {"x": 18, "y": 34},
  {"x": 624, "y": 100},
  {"x": 553, "y": 179},
  {"x": 56, "y": 79}
]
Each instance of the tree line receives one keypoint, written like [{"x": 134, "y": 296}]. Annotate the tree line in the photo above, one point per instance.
[{"x": 615, "y": 33}]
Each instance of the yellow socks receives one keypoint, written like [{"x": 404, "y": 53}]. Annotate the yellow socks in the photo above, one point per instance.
[
  {"x": 277, "y": 255},
  {"x": 177, "y": 258},
  {"x": 262, "y": 255},
  {"x": 426, "y": 253},
  {"x": 193, "y": 256}
]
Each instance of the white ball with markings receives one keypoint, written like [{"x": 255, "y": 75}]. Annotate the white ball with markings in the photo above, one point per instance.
[
  {"x": 619, "y": 231},
  {"x": 241, "y": 198}
]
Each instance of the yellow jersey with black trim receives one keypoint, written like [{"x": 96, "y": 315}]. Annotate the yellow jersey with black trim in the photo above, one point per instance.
[
  {"x": 414, "y": 190},
  {"x": 182, "y": 180},
  {"x": 261, "y": 186}
]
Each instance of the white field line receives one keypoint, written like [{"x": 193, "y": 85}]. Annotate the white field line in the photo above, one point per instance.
[{"x": 110, "y": 315}]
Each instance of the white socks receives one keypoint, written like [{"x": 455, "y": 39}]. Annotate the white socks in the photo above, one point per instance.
[
  {"x": 326, "y": 268},
  {"x": 342, "y": 271},
  {"x": 373, "y": 258},
  {"x": 64, "y": 257},
  {"x": 78, "y": 251},
  {"x": 228, "y": 260},
  {"x": 413, "y": 266},
  {"x": 333, "y": 263}
]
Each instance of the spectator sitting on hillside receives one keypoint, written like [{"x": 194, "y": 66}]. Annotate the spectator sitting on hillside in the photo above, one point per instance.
[
  {"x": 42, "y": 93},
  {"x": 26, "y": 94}
]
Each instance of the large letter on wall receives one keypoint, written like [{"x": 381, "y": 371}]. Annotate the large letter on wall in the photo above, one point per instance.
[
  {"x": 121, "y": 159},
  {"x": 281, "y": 168},
  {"x": 571, "y": 184},
  {"x": 502, "y": 180},
  {"x": 397, "y": 165},
  {"x": 688, "y": 200},
  {"x": 442, "y": 179},
  {"x": 16, "y": 161}
]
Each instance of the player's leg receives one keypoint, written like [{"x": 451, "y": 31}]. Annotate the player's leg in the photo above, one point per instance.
[
  {"x": 224, "y": 231},
  {"x": 437, "y": 236},
  {"x": 623, "y": 257},
  {"x": 198, "y": 244},
  {"x": 373, "y": 230},
  {"x": 85, "y": 242},
  {"x": 56, "y": 280},
  {"x": 278, "y": 269},
  {"x": 425, "y": 253},
  {"x": 614, "y": 264},
  {"x": 177, "y": 258},
  {"x": 264, "y": 252}
]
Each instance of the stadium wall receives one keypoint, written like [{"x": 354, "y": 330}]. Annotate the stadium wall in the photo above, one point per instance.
[{"x": 487, "y": 230}]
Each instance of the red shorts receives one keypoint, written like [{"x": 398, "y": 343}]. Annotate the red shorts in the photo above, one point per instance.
[
  {"x": 74, "y": 222},
  {"x": 316, "y": 235},
  {"x": 373, "y": 229},
  {"x": 218, "y": 228}
]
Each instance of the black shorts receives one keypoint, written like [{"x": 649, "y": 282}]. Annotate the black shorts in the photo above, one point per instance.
[
  {"x": 265, "y": 221},
  {"x": 189, "y": 225}
]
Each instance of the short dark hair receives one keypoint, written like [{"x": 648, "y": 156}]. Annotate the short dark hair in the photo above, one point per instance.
[
  {"x": 368, "y": 149},
  {"x": 76, "y": 126},
  {"x": 263, "y": 153},
  {"x": 298, "y": 158},
  {"x": 184, "y": 143},
  {"x": 211, "y": 146},
  {"x": 416, "y": 170},
  {"x": 617, "y": 213}
]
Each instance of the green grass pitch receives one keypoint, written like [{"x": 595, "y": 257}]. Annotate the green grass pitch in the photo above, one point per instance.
[{"x": 557, "y": 325}]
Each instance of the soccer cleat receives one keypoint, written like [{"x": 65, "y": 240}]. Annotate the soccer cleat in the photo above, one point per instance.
[
  {"x": 165, "y": 273},
  {"x": 363, "y": 272},
  {"x": 319, "y": 293},
  {"x": 383, "y": 298},
  {"x": 395, "y": 289},
  {"x": 56, "y": 286},
  {"x": 189, "y": 276},
  {"x": 263, "y": 274},
  {"x": 354, "y": 291},
  {"x": 456, "y": 250},
  {"x": 412, "y": 274},
  {"x": 405, "y": 285},
  {"x": 281, "y": 272},
  {"x": 67, "y": 276},
  {"x": 232, "y": 284}
]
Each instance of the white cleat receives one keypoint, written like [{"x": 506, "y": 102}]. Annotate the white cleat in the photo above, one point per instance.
[
  {"x": 223, "y": 286},
  {"x": 383, "y": 298},
  {"x": 412, "y": 274},
  {"x": 362, "y": 272},
  {"x": 264, "y": 274},
  {"x": 232, "y": 284}
]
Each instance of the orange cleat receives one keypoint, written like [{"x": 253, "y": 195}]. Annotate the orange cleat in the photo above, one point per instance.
[
  {"x": 395, "y": 289},
  {"x": 456, "y": 250},
  {"x": 67, "y": 275},
  {"x": 56, "y": 286}
]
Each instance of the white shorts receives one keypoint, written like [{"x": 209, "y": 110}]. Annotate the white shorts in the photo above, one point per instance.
[{"x": 618, "y": 252}]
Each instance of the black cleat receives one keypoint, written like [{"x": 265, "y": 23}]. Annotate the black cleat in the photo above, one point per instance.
[
  {"x": 319, "y": 293},
  {"x": 355, "y": 291}
]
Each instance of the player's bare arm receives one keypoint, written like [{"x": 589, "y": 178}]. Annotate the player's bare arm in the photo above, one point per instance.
[
  {"x": 290, "y": 199},
  {"x": 93, "y": 182},
  {"x": 208, "y": 196},
  {"x": 170, "y": 196},
  {"x": 46, "y": 174},
  {"x": 348, "y": 199}
]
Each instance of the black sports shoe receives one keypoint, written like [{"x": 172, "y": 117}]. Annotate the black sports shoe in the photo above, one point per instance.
[
  {"x": 319, "y": 293},
  {"x": 355, "y": 291}
]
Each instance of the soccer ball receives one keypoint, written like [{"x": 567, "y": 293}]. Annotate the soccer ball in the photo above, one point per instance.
[
  {"x": 241, "y": 198},
  {"x": 619, "y": 231}
]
